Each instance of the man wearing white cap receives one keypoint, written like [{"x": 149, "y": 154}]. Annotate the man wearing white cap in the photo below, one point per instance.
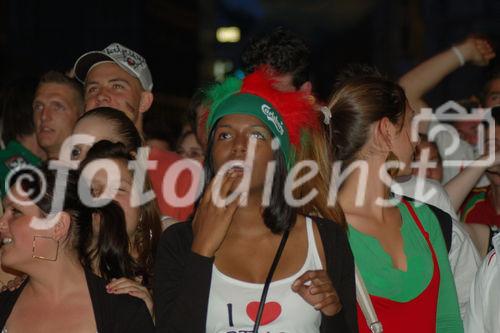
[
  {"x": 116, "y": 77},
  {"x": 119, "y": 78}
]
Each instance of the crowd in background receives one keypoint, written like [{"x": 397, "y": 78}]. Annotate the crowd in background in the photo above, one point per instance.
[{"x": 425, "y": 264}]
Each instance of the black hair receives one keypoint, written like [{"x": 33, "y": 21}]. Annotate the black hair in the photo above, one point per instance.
[
  {"x": 495, "y": 113},
  {"x": 149, "y": 228},
  {"x": 124, "y": 127},
  {"x": 356, "y": 70},
  {"x": 279, "y": 216},
  {"x": 17, "y": 110},
  {"x": 112, "y": 246},
  {"x": 111, "y": 250},
  {"x": 162, "y": 122},
  {"x": 493, "y": 74},
  {"x": 284, "y": 51},
  {"x": 198, "y": 99}
]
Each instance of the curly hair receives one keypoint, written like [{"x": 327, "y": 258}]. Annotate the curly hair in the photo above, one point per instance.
[{"x": 285, "y": 52}]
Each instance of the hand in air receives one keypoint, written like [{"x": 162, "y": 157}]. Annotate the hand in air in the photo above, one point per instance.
[{"x": 477, "y": 50}]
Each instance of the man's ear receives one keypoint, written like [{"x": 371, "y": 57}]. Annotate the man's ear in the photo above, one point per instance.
[
  {"x": 62, "y": 226},
  {"x": 306, "y": 87},
  {"x": 146, "y": 101}
]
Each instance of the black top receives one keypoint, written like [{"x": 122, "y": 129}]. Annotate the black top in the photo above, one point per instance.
[
  {"x": 182, "y": 281},
  {"x": 445, "y": 222},
  {"x": 113, "y": 313}
]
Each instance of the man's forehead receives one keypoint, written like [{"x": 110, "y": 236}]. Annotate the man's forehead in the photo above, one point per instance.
[
  {"x": 53, "y": 90},
  {"x": 109, "y": 71}
]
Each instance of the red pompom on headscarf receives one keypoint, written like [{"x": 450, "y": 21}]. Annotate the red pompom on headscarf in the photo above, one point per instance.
[{"x": 295, "y": 107}]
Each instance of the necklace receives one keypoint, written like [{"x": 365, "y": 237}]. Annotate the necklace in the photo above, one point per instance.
[
  {"x": 15, "y": 282},
  {"x": 3, "y": 286}
]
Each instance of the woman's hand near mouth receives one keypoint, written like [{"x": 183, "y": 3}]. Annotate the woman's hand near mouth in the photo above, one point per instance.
[{"x": 211, "y": 221}]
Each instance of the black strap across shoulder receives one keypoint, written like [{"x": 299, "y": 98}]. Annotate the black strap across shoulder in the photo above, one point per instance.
[
  {"x": 445, "y": 222},
  {"x": 269, "y": 277}
]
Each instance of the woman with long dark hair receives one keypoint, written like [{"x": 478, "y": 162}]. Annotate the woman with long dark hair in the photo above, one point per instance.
[
  {"x": 45, "y": 233},
  {"x": 247, "y": 263},
  {"x": 117, "y": 140},
  {"x": 142, "y": 221}
]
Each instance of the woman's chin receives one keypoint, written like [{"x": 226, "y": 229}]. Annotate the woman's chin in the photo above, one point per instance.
[
  {"x": 405, "y": 172},
  {"x": 7, "y": 260}
]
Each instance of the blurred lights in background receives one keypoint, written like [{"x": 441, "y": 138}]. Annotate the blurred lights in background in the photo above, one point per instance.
[
  {"x": 221, "y": 68},
  {"x": 228, "y": 34}
]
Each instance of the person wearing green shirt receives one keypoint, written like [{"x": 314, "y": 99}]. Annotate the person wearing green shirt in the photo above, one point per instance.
[
  {"x": 18, "y": 130},
  {"x": 15, "y": 156},
  {"x": 398, "y": 248}
]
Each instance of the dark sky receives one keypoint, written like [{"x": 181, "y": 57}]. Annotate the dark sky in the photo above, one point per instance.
[{"x": 177, "y": 37}]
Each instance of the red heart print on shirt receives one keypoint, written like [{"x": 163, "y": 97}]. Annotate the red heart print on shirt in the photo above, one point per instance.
[{"x": 272, "y": 311}]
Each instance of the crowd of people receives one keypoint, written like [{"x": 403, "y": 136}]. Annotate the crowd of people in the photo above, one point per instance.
[{"x": 272, "y": 211}]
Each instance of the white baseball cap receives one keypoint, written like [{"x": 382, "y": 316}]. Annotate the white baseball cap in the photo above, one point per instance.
[{"x": 129, "y": 60}]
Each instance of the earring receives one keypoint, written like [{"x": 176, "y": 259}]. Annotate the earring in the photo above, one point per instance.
[
  {"x": 394, "y": 171},
  {"x": 140, "y": 225},
  {"x": 35, "y": 256}
]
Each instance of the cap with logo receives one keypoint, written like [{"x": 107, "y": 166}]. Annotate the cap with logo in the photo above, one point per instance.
[
  {"x": 129, "y": 60},
  {"x": 286, "y": 114}
]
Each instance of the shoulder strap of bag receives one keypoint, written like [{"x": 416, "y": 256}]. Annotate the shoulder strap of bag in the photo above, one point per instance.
[{"x": 366, "y": 305}]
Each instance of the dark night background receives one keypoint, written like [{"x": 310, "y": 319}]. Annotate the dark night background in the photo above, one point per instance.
[{"x": 177, "y": 37}]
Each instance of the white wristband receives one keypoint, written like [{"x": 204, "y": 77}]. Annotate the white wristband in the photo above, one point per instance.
[{"x": 459, "y": 55}]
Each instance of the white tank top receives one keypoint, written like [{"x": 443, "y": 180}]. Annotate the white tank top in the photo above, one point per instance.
[{"x": 233, "y": 304}]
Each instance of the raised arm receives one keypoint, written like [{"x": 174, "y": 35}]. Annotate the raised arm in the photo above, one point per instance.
[
  {"x": 459, "y": 187},
  {"x": 421, "y": 79}
]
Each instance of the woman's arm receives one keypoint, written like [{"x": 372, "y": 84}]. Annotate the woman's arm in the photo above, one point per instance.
[
  {"x": 347, "y": 291},
  {"x": 459, "y": 187},
  {"x": 183, "y": 268},
  {"x": 480, "y": 235},
  {"x": 474, "y": 318},
  {"x": 421, "y": 79},
  {"x": 133, "y": 288},
  {"x": 137, "y": 319},
  {"x": 340, "y": 267},
  {"x": 181, "y": 283}
]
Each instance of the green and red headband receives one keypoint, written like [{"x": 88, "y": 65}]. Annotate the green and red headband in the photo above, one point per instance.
[{"x": 286, "y": 114}]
